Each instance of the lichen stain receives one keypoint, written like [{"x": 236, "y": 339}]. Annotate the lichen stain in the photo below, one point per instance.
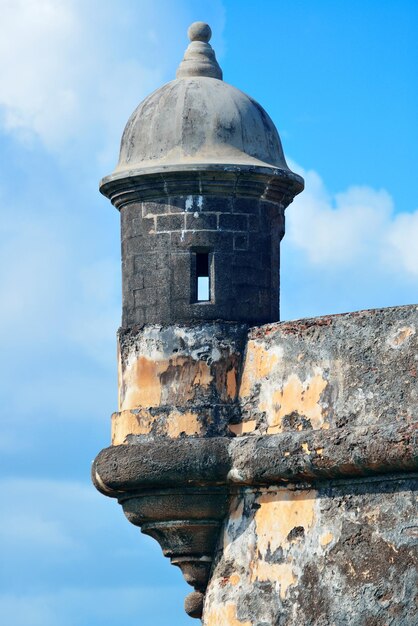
[
  {"x": 372, "y": 515},
  {"x": 233, "y": 580},
  {"x": 225, "y": 615},
  {"x": 306, "y": 449},
  {"x": 150, "y": 383},
  {"x": 280, "y": 572},
  {"x": 401, "y": 335},
  {"x": 140, "y": 422},
  {"x": 183, "y": 423},
  {"x": 130, "y": 423},
  {"x": 225, "y": 372},
  {"x": 279, "y": 513},
  {"x": 326, "y": 539},
  {"x": 243, "y": 427},
  {"x": 231, "y": 383},
  {"x": 298, "y": 397},
  {"x": 120, "y": 380},
  {"x": 141, "y": 384},
  {"x": 182, "y": 379},
  {"x": 259, "y": 363},
  {"x": 236, "y": 512}
]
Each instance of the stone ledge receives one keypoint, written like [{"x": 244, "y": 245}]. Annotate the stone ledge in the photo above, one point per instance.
[
  {"x": 270, "y": 459},
  {"x": 315, "y": 455},
  {"x": 151, "y": 463}
]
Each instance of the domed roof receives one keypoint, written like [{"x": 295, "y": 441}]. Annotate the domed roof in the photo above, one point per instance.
[
  {"x": 197, "y": 134},
  {"x": 199, "y": 119}
]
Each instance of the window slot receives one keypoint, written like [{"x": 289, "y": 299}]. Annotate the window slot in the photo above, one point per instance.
[{"x": 202, "y": 277}]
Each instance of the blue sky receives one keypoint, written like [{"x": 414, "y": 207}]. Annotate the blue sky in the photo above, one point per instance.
[{"x": 338, "y": 79}]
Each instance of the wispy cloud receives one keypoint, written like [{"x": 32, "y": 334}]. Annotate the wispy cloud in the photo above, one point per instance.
[
  {"x": 58, "y": 525},
  {"x": 341, "y": 229}
]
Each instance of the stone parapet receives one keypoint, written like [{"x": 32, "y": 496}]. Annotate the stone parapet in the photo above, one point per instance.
[{"x": 356, "y": 369}]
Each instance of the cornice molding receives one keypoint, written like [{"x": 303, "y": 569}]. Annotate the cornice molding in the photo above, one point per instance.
[{"x": 141, "y": 185}]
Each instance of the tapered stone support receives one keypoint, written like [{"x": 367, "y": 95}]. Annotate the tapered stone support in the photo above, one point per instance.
[{"x": 186, "y": 522}]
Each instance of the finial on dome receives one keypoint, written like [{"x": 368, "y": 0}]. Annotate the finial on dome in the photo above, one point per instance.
[
  {"x": 199, "y": 31},
  {"x": 199, "y": 58}
]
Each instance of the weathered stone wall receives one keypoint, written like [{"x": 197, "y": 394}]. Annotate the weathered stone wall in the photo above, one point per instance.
[
  {"x": 344, "y": 371},
  {"x": 275, "y": 465},
  {"x": 343, "y": 553},
  {"x": 352, "y": 370},
  {"x": 178, "y": 380},
  {"x": 322, "y": 552}
]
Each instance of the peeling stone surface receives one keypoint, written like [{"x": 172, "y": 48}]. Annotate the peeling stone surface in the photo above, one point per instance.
[
  {"x": 342, "y": 553},
  {"x": 355, "y": 369},
  {"x": 178, "y": 380}
]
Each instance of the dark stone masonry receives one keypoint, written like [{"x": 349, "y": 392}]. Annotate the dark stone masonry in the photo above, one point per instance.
[{"x": 163, "y": 240}]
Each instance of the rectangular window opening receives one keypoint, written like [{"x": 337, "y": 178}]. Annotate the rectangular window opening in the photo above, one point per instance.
[{"x": 202, "y": 277}]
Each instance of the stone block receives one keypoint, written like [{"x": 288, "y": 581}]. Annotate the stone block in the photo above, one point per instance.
[
  {"x": 241, "y": 242},
  {"x": 234, "y": 222},
  {"x": 170, "y": 222},
  {"x": 201, "y": 221}
]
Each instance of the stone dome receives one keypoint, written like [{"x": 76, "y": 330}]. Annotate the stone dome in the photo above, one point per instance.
[{"x": 198, "y": 119}]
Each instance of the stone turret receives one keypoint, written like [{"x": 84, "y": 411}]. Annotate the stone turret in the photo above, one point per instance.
[
  {"x": 202, "y": 185},
  {"x": 275, "y": 465}
]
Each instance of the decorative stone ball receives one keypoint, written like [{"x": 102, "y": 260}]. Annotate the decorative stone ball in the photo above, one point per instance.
[
  {"x": 193, "y": 604},
  {"x": 199, "y": 31}
]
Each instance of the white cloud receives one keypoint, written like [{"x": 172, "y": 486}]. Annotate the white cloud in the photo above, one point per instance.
[
  {"x": 59, "y": 76},
  {"x": 38, "y": 82},
  {"x": 338, "y": 230},
  {"x": 351, "y": 228},
  {"x": 402, "y": 239},
  {"x": 73, "y": 71},
  {"x": 346, "y": 251}
]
